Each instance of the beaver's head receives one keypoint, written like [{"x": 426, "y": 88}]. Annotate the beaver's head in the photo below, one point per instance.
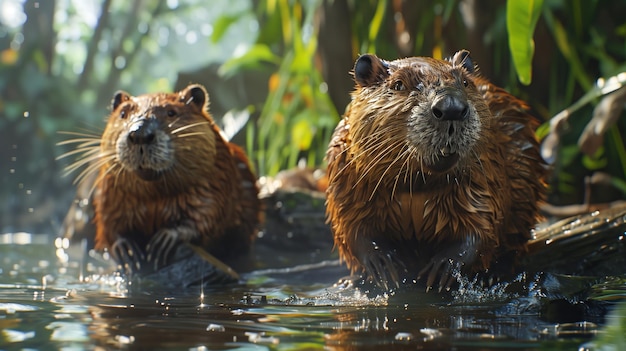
[
  {"x": 159, "y": 136},
  {"x": 420, "y": 108}
]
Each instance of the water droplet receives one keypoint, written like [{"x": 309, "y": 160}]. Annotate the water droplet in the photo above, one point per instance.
[
  {"x": 401, "y": 336},
  {"x": 215, "y": 328}
]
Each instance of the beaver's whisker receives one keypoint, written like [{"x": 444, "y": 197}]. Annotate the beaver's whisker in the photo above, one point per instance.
[
  {"x": 421, "y": 171},
  {"x": 84, "y": 175},
  {"x": 93, "y": 167},
  {"x": 89, "y": 134},
  {"x": 117, "y": 175},
  {"x": 380, "y": 132},
  {"x": 395, "y": 183},
  {"x": 339, "y": 172},
  {"x": 96, "y": 158},
  {"x": 345, "y": 166},
  {"x": 405, "y": 163},
  {"x": 380, "y": 154},
  {"x": 85, "y": 151},
  {"x": 169, "y": 125},
  {"x": 369, "y": 149},
  {"x": 374, "y": 149},
  {"x": 385, "y": 133},
  {"x": 102, "y": 175},
  {"x": 190, "y": 134},
  {"x": 411, "y": 180},
  {"x": 88, "y": 157},
  {"x": 480, "y": 163},
  {"x": 87, "y": 141},
  {"x": 410, "y": 156},
  {"x": 88, "y": 145},
  {"x": 180, "y": 129},
  {"x": 384, "y": 173},
  {"x": 409, "y": 174},
  {"x": 69, "y": 169},
  {"x": 371, "y": 137}
]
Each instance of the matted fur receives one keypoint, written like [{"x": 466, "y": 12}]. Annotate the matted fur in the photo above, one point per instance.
[
  {"x": 389, "y": 205},
  {"x": 188, "y": 183}
]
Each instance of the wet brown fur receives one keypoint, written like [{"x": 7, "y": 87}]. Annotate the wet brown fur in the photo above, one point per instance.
[
  {"x": 383, "y": 194},
  {"x": 204, "y": 193}
]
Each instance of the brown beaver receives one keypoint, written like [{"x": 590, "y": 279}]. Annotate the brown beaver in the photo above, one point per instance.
[
  {"x": 432, "y": 171},
  {"x": 165, "y": 175}
]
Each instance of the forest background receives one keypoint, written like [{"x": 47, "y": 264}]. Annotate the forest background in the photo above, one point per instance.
[{"x": 277, "y": 72}]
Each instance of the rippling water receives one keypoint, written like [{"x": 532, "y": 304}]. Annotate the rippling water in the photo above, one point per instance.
[{"x": 44, "y": 304}]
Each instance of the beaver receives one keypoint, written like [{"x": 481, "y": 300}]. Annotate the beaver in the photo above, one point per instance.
[
  {"x": 166, "y": 175},
  {"x": 434, "y": 172}
]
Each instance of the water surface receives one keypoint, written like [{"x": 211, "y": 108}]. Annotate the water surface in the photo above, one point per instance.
[{"x": 44, "y": 304}]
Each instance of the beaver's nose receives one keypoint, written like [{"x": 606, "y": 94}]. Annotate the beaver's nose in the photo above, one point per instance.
[
  {"x": 450, "y": 108},
  {"x": 143, "y": 131}
]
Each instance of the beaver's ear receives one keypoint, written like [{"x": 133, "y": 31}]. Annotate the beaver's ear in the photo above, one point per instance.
[
  {"x": 370, "y": 70},
  {"x": 462, "y": 58},
  {"x": 119, "y": 97},
  {"x": 195, "y": 94}
]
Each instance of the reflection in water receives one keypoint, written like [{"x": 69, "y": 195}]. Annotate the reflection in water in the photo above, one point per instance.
[{"x": 44, "y": 304}]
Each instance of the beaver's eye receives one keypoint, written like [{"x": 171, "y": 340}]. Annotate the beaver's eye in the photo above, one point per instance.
[
  {"x": 398, "y": 85},
  {"x": 171, "y": 113},
  {"x": 465, "y": 83},
  {"x": 123, "y": 113}
]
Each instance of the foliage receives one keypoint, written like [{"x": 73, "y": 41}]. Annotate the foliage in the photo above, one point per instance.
[
  {"x": 59, "y": 67},
  {"x": 590, "y": 45},
  {"x": 613, "y": 335},
  {"x": 297, "y": 117},
  {"x": 521, "y": 19},
  {"x": 61, "y": 61},
  {"x": 562, "y": 46}
]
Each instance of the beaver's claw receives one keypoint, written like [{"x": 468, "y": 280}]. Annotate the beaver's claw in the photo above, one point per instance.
[
  {"x": 382, "y": 265},
  {"x": 161, "y": 246},
  {"x": 445, "y": 267},
  {"x": 127, "y": 255},
  {"x": 448, "y": 263}
]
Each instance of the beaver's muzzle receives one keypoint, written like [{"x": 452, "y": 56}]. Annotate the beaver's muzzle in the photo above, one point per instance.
[
  {"x": 143, "y": 131},
  {"x": 451, "y": 106}
]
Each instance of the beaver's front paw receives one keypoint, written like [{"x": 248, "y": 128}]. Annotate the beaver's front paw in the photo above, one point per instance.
[
  {"x": 127, "y": 255},
  {"x": 381, "y": 263},
  {"x": 161, "y": 247},
  {"x": 448, "y": 264}
]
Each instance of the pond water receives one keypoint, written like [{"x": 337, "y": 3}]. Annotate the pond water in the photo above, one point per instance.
[{"x": 48, "y": 302}]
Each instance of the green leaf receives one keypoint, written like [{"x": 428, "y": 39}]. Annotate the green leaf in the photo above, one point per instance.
[
  {"x": 597, "y": 161},
  {"x": 257, "y": 54},
  {"x": 302, "y": 132},
  {"x": 221, "y": 26},
  {"x": 375, "y": 24},
  {"x": 619, "y": 184},
  {"x": 569, "y": 153},
  {"x": 521, "y": 19},
  {"x": 568, "y": 50},
  {"x": 543, "y": 130}
]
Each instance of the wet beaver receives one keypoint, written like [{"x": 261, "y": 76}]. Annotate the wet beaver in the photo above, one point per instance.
[
  {"x": 432, "y": 171},
  {"x": 166, "y": 175}
]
